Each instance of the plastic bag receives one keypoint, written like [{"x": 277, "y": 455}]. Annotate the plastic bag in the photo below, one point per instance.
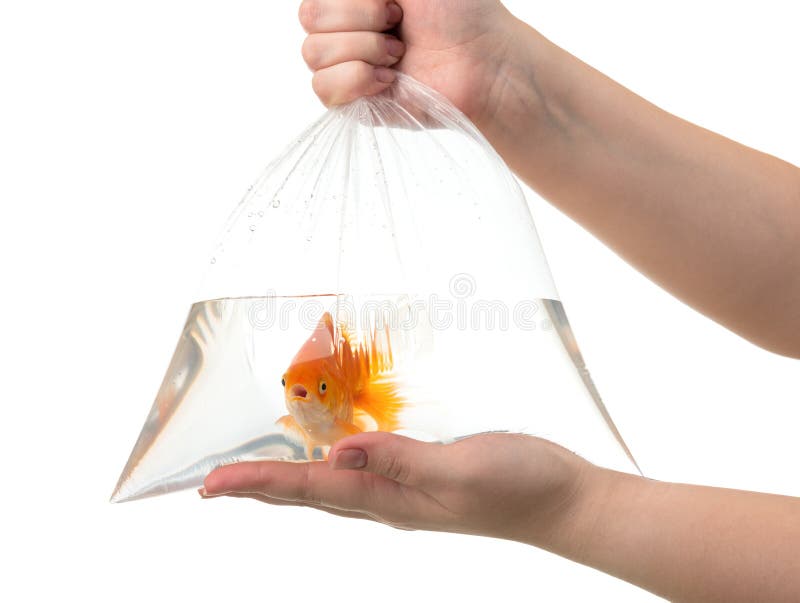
[{"x": 388, "y": 266}]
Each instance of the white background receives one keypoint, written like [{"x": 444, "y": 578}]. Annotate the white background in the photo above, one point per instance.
[{"x": 128, "y": 130}]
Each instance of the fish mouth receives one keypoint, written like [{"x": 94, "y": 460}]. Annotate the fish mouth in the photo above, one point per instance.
[{"x": 298, "y": 393}]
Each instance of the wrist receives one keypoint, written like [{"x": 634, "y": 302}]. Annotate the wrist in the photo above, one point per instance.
[
  {"x": 559, "y": 514},
  {"x": 604, "y": 500},
  {"x": 517, "y": 98},
  {"x": 565, "y": 528}
]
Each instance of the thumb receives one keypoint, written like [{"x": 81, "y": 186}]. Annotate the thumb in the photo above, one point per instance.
[{"x": 398, "y": 458}]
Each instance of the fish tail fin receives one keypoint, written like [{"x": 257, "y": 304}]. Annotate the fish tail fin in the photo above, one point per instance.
[
  {"x": 380, "y": 400},
  {"x": 378, "y": 397}
]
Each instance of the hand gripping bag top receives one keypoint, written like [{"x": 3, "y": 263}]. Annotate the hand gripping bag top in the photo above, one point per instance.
[{"x": 383, "y": 273}]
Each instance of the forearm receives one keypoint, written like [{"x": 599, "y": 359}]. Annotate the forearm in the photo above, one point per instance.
[
  {"x": 682, "y": 542},
  {"x": 712, "y": 221}
]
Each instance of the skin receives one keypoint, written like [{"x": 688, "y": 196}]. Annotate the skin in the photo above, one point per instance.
[{"x": 714, "y": 222}]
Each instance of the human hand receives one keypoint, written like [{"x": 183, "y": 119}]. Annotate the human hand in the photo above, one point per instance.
[
  {"x": 502, "y": 485},
  {"x": 457, "y": 47},
  {"x": 682, "y": 542}
]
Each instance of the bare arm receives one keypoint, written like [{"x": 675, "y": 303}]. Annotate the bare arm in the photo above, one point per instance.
[
  {"x": 685, "y": 543},
  {"x": 712, "y": 221}
]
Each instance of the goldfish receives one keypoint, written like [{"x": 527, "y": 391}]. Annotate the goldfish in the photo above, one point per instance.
[{"x": 336, "y": 387}]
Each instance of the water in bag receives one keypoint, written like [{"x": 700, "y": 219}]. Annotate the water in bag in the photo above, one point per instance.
[{"x": 384, "y": 273}]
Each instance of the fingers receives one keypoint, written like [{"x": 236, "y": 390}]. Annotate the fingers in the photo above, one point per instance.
[
  {"x": 317, "y": 16},
  {"x": 326, "y": 49},
  {"x": 348, "y": 81},
  {"x": 285, "y": 503},
  {"x": 394, "y": 481},
  {"x": 309, "y": 483},
  {"x": 403, "y": 460},
  {"x": 346, "y": 49}
]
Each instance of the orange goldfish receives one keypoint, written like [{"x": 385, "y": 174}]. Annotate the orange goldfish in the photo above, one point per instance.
[{"x": 335, "y": 387}]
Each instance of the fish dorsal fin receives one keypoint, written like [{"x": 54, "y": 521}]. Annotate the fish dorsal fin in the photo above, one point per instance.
[
  {"x": 380, "y": 350},
  {"x": 373, "y": 351},
  {"x": 366, "y": 355},
  {"x": 320, "y": 344}
]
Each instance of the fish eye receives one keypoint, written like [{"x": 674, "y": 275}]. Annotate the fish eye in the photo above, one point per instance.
[
  {"x": 283, "y": 382},
  {"x": 323, "y": 387}
]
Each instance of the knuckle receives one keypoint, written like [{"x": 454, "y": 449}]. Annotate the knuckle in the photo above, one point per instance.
[
  {"x": 262, "y": 477},
  {"x": 379, "y": 47},
  {"x": 309, "y": 14},
  {"x": 317, "y": 85},
  {"x": 394, "y": 468},
  {"x": 310, "y": 52},
  {"x": 370, "y": 501},
  {"x": 375, "y": 14},
  {"x": 360, "y": 72},
  {"x": 306, "y": 491}
]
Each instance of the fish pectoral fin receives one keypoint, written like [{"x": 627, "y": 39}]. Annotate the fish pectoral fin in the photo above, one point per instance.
[
  {"x": 288, "y": 423},
  {"x": 292, "y": 430},
  {"x": 363, "y": 421},
  {"x": 346, "y": 428},
  {"x": 297, "y": 435}
]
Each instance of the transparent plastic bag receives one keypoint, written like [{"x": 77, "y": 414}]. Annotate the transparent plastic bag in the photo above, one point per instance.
[{"x": 388, "y": 266}]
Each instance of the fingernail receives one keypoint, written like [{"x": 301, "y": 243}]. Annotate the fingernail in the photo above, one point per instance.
[
  {"x": 395, "y": 47},
  {"x": 385, "y": 75},
  {"x": 350, "y": 458},
  {"x": 206, "y": 494},
  {"x": 394, "y": 14}
]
